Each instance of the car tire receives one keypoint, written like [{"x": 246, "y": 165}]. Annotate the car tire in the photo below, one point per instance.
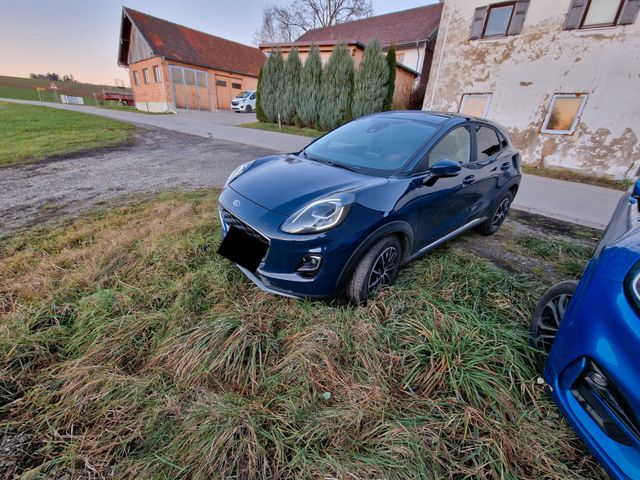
[
  {"x": 378, "y": 267},
  {"x": 549, "y": 314},
  {"x": 497, "y": 215},
  {"x": 248, "y": 109}
]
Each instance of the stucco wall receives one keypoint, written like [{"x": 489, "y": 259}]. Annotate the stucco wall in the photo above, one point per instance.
[{"x": 522, "y": 73}]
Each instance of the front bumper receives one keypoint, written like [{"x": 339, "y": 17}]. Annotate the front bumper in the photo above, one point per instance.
[
  {"x": 238, "y": 108},
  {"x": 602, "y": 328},
  {"x": 277, "y": 271}
]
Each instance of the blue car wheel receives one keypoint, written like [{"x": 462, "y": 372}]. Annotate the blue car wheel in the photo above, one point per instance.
[{"x": 549, "y": 314}]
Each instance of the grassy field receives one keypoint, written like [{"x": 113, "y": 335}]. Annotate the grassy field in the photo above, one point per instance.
[
  {"x": 30, "y": 133},
  {"x": 129, "y": 349},
  {"x": 25, "y": 89},
  {"x": 273, "y": 127}
]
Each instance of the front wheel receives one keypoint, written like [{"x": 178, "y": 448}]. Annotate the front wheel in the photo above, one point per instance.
[
  {"x": 375, "y": 270},
  {"x": 248, "y": 109},
  {"x": 549, "y": 314},
  {"x": 497, "y": 215}
]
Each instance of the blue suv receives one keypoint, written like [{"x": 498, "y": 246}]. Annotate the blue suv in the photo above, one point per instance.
[
  {"x": 591, "y": 331},
  {"x": 347, "y": 211}
]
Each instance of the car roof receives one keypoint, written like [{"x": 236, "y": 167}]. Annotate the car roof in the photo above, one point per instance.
[{"x": 437, "y": 118}]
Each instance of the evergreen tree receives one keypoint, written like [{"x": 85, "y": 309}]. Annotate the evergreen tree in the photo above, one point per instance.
[
  {"x": 370, "y": 88},
  {"x": 271, "y": 86},
  {"x": 277, "y": 76},
  {"x": 391, "y": 82},
  {"x": 310, "y": 85},
  {"x": 291, "y": 87},
  {"x": 337, "y": 88},
  {"x": 259, "y": 111}
]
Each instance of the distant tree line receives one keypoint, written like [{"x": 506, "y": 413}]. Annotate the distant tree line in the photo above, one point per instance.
[
  {"x": 54, "y": 77},
  {"x": 309, "y": 95}
]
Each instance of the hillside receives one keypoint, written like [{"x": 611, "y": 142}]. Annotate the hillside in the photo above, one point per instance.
[{"x": 25, "y": 88}]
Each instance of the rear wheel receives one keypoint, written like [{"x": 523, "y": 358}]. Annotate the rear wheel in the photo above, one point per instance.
[
  {"x": 497, "y": 215},
  {"x": 549, "y": 314},
  {"x": 375, "y": 270}
]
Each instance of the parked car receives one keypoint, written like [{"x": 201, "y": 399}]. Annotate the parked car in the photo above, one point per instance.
[
  {"x": 245, "y": 101},
  {"x": 357, "y": 203},
  {"x": 591, "y": 330}
]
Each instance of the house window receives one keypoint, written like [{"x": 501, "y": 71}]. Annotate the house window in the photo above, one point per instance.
[
  {"x": 136, "y": 79},
  {"x": 236, "y": 85},
  {"x": 157, "y": 73},
  {"x": 475, "y": 104},
  {"x": 221, "y": 83},
  {"x": 564, "y": 113},
  {"x": 498, "y": 19},
  {"x": 145, "y": 74},
  {"x": 601, "y": 13}
]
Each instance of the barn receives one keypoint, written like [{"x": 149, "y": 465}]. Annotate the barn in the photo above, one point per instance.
[{"x": 172, "y": 66}]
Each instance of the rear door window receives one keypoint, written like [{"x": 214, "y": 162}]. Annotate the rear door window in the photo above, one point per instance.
[{"x": 488, "y": 142}]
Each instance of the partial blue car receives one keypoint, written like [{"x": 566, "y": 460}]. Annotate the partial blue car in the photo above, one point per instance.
[
  {"x": 591, "y": 331},
  {"x": 346, "y": 212}
]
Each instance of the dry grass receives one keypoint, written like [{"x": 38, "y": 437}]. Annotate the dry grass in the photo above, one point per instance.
[{"x": 129, "y": 349}]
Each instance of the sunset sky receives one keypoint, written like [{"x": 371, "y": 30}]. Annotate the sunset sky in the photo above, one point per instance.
[{"x": 80, "y": 37}]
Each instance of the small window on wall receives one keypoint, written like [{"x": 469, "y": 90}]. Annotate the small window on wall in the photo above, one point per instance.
[
  {"x": 136, "y": 78},
  {"x": 176, "y": 75},
  {"x": 236, "y": 85},
  {"x": 157, "y": 73},
  {"x": 475, "y": 104},
  {"x": 564, "y": 113},
  {"x": 499, "y": 19},
  {"x": 601, "y": 13},
  {"x": 145, "y": 74},
  {"x": 221, "y": 83}
]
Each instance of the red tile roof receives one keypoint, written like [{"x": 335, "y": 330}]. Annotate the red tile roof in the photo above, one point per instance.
[
  {"x": 187, "y": 45},
  {"x": 399, "y": 28}
]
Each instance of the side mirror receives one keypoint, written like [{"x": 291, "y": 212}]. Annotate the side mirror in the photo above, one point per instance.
[{"x": 446, "y": 168}]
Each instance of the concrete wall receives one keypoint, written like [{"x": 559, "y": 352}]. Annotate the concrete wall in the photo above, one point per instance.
[{"x": 522, "y": 72}]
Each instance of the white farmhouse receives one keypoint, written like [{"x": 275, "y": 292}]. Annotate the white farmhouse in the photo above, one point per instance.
[{"x": 562, "y": 75}]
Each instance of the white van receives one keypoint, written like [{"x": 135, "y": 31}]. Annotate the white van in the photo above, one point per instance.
[{"x": 245, "y": 101}]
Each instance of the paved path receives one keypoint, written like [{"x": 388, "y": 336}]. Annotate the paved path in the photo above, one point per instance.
[
  {"x": 221, "y": 125},
  {"x": 578, "y": 203}
]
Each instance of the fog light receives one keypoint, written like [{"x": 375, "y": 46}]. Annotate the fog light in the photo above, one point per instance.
[{"x": 310, "y": 265}]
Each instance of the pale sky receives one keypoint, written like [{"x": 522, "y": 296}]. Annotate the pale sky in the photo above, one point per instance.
[{"x": 80, "y": 37}]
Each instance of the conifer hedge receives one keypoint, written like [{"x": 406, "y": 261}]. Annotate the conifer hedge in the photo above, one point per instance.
[
  {"x": 336, "y": 89},
  {"x": 370, "y": 88},
  {"x": 310, "y": 85}
]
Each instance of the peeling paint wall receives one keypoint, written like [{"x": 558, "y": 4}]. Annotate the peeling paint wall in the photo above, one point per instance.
[{"x": 522, "y": 72}]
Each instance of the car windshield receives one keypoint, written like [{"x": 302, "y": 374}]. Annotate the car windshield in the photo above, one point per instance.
[
  {"x": 376, "y": 145},
  {"x": 244, "y": 94}
]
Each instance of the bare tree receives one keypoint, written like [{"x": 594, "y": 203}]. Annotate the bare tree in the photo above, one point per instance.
[{"x": 285, "y": 24}]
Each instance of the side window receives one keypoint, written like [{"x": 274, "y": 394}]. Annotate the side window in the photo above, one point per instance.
[
  {"x": 456, "y": 145},
  {"x": 252, "y": 97},
  {"x": 488, "y": 142}
]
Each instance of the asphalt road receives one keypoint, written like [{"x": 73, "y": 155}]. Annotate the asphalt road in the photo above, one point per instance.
[{"x": 43, "y": 193}]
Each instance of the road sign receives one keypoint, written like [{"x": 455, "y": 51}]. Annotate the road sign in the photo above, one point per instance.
[{"x": 53, "y": 86}]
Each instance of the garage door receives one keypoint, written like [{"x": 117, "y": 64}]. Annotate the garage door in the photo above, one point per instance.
[
  {"x": 226, "y": 89},
  {"x": 190, "y": 88}
]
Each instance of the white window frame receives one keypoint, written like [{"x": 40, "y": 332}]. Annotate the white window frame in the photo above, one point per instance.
[
  {"x": 582, "y": 96},
  {"x": 136, "y": 78},
  {"x": 484, "y": 95},
  {"x": 157, "y": 73},
  {"x": 146, "y": 76}
]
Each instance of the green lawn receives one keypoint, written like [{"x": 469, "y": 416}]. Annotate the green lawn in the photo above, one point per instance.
[
  {"x": 273, "y": 127},
  {"x": 129, "y": 349},
  {"x": 30, "y": 133}
]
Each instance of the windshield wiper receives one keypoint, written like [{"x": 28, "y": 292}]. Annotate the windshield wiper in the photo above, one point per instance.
[{"x": 339, "y": 165}]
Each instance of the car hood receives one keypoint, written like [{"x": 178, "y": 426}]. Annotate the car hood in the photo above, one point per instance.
[{"x": 286, "y": 183}]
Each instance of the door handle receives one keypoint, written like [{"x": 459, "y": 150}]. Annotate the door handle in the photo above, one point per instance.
[
  {"x": 505, "y": 166},
  {"x": 468, "y": 180}
]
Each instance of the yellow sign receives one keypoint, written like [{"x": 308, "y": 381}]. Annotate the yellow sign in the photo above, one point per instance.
[{"x": 40, "y": 89}]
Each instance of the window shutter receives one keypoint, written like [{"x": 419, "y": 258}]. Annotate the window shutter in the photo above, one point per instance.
[
  {"x": 629, "y": 12},
  {"x": 519, "y": 14},
  {"x": 479, "y": 17},
  {"x": 575, "y": 14}
]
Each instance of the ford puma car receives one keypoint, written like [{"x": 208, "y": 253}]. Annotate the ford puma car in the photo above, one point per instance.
[
  {"x": 591, "y": 330},
  {"x": 352, "y": 207}
]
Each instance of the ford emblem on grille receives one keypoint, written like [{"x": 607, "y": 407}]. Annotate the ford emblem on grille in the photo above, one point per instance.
[{"x": 236, "y": 203}]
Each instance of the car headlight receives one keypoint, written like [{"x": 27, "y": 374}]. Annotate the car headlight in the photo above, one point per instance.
[
  {"x": 237, "y": 172},
  {"x": 632, "y": 286},
  {"x": 320, "y": 215}
]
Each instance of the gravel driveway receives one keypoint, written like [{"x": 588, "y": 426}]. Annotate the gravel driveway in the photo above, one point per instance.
[{"x": 157, "y": 159}]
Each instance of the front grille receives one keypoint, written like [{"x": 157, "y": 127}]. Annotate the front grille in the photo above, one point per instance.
[
  {"x": 235, "y": 103},
  {"x": 232, "y": 221}
]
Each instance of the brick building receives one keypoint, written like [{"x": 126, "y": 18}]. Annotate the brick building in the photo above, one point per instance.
[{"x": 172, "y": 66}]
